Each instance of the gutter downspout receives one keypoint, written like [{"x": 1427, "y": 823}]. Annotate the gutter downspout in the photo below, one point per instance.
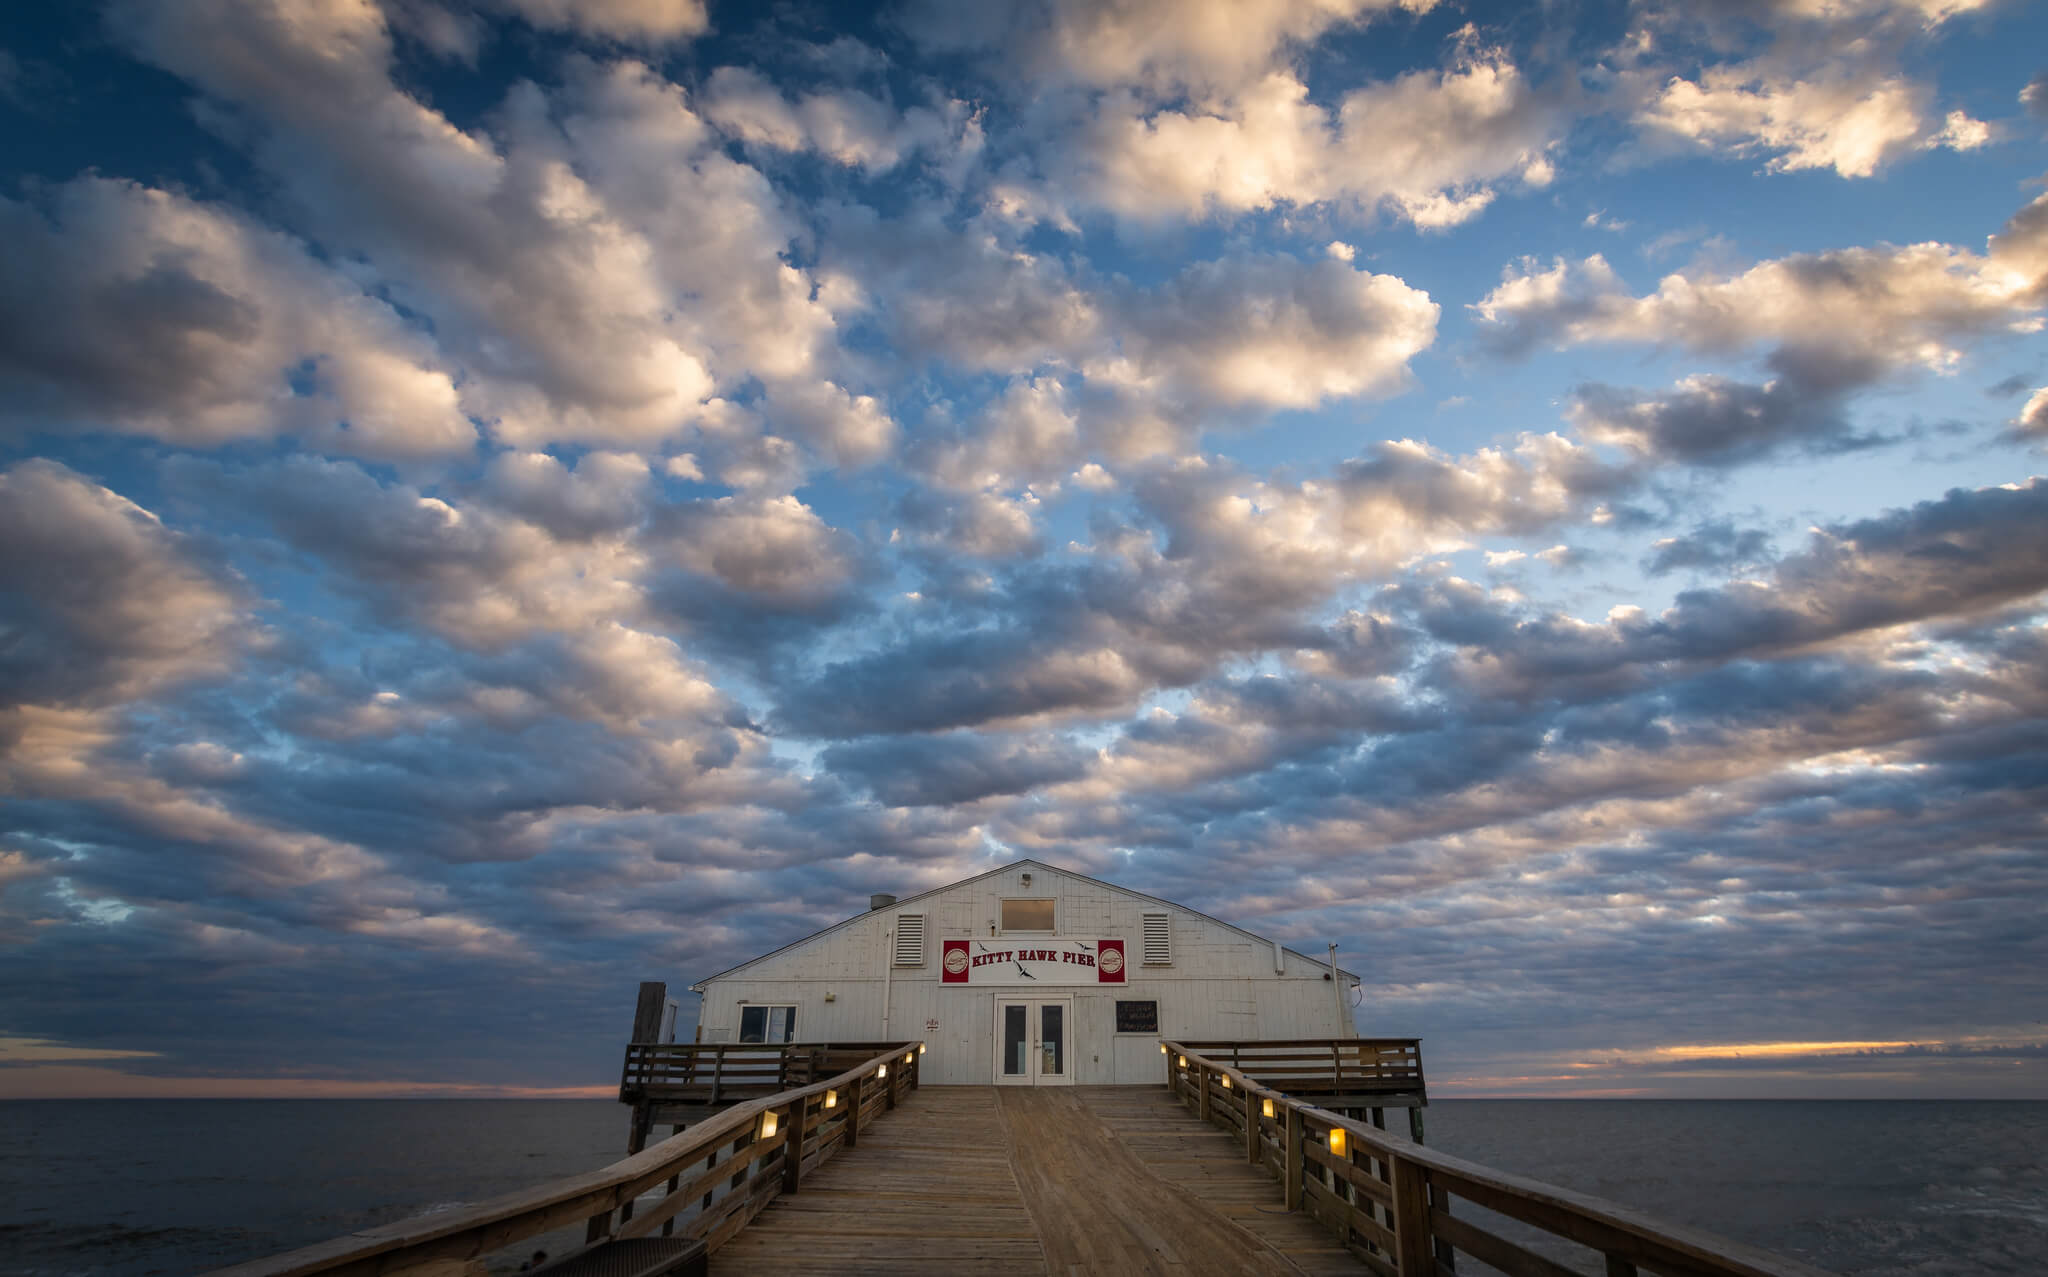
[{"x": 888, "y": 975}]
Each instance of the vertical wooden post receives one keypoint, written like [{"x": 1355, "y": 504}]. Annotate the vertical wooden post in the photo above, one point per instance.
[
  {"x": 853, "y": 1113},
  {"x": 1412, "y": 1251},
  {"x": 1167, "y": 1055},
  {"x": 1202, "y": 1085},
  {"x": 889, "y": 1092},
  {"x": 1292, "y": 1159},
  {"x": 916, "y": 1068},
  {"x": 1252, "y": 1106},
  {"x": 647, "y": 1011},
  {"x": 793, "y": 1147},
  {"x": 1415, "y": 1125}
]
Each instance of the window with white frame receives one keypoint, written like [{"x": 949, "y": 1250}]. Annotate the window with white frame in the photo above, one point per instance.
[
  {"x": 768, "y": 1024},
  {"x": 909, "y": 940},
  {"x": 1032, "y": 913},
  {"x": 1158, "y": 940}
]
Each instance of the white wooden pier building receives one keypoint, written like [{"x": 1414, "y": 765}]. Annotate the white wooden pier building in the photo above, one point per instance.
[{"x": 1030, "y": 975}]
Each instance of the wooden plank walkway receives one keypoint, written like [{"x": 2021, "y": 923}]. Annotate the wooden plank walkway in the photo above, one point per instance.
[{"x": 1036, "y": 1181}]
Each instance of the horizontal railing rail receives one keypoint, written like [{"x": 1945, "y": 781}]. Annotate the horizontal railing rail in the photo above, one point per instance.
[
  {"x": 1325, "y": 1066},
  {"x": 715, "y": 1177},
  {"x": 717, "y": 1071},
  {"x": 1390, "y": 1200}
]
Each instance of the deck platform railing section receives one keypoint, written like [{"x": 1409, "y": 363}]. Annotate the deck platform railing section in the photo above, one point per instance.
[
  {"x": 714, "y": 1178},
  {"x": 1391, "y": 1199},
  {"x": 720, "y": 1072},
  {"x": 1342, "y": 1073}
]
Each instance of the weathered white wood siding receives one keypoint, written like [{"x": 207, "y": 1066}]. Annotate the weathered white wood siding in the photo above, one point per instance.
[{"x": 1220, "y": 984}]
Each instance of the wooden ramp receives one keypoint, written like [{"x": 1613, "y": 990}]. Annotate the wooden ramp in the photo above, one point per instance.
[{"x": 1036, "y": 1181}]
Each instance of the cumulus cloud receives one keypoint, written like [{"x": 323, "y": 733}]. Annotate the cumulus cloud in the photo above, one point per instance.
[
  {"x": 1429, "y": 147},
  {"x": 1718, "y": 546},
  {"x": 640, "y": 21},
  {"x": 126, "y": 308},
  {"x": 850, "y": 127},
  {"x": 1156, "y": 43},
  {"x": 1271, "y": 331},
  {"x": 1833, "y": 322},
  {"x": 1853, "y": 125},
  {"x": 102, "y": 603},
  {"x": 598, "y": 264},
  {"x": 2033, "y": 418}
]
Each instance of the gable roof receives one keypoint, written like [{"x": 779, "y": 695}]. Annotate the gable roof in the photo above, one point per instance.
[{"x": 698, "y": 987}]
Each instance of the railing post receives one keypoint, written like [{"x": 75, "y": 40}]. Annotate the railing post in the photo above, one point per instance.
[
  {"x": 1167, "y": 1055},
  {"x": 1251, "y": 1126},
  {"x": 1412, "y": 1249},
  {"x": 793, "y": 1147},
  {"x": 1201, "y": 1073},
  {"x": 1293, "y": 1160},
  {"x": 888, "y": 1092},
  {"x": 916, "y": 1068},
  {"x": 853, "y": 1113}
]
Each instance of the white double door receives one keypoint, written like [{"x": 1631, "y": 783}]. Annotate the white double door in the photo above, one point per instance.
[{"x": 1034, "y": 1041}]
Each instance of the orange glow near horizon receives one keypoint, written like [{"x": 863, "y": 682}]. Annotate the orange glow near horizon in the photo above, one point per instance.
[
  {"x": 83, "y": 1082},
  {"x": 1772, "y": 1050}
]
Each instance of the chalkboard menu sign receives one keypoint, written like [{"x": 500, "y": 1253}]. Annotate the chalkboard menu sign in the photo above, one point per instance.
[{"x": 1137, "y": 1017}]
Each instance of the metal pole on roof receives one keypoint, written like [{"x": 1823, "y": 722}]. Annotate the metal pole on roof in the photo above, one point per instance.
[{"x": 1337, "y": 991}]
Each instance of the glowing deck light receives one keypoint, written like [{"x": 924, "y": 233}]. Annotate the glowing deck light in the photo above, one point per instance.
[
  {"x": 1226, "y": 1081},
  {"x": 832, "y": 1099},
  {"x": 1267, "y": 1108},
  {"x": 881, "y": 1072},
  {"x": 1183, "y": 1061},
  {"x": 768, "y": 1124},
  {"x": 1336, "y": 1139},
  {"x": 921, "y": 1046}
]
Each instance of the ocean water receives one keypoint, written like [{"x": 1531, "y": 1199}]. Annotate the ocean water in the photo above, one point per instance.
[{"x": 123, "y": 1188}]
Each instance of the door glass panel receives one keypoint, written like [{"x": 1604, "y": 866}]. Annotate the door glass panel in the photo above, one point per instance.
[
  {"x": 1016, "y": 1060},
  {"x": 1054, "y": 1040}
]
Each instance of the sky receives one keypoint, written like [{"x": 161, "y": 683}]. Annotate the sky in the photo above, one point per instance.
[{"x": 502, "y": 500}]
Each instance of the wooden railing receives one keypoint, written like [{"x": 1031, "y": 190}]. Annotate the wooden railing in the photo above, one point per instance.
[
  {"x": 715, "y": 1177},
  {"x": 717, "y": 1072},
  {"x": 1391, "y": 1200},
  {"x": 1363, "y": 1067}
]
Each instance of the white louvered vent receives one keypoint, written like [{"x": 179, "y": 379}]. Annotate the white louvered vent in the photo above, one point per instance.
[
  {"x": 1158, "y": 940},
  {"x": 909, "y": 939}
]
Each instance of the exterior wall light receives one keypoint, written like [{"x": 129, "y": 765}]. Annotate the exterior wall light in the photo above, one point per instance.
[
  {"x": 1267, "y": 1108},
  {"x": 768, "y": 1125},
  {"x": 1337, "y": 1139}
]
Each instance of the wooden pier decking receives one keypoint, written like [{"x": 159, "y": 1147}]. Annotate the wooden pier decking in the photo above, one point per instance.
[
  {"x": 1004, "y": 1180},
  {"x": 1218, "y": 1170}
]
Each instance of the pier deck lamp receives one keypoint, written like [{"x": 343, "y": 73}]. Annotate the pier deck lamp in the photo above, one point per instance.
[
  {"x": 768, "y": 1122},
  {"x": 1266, "y": 1106},
  {"x": 921, "y": 1046},
  {"x": 881, "y": 1072},
  {"x": 1337, "y": 1139},
  {"x": 1226, "y": 1081},
  {"x": 832, "y": 1100}
]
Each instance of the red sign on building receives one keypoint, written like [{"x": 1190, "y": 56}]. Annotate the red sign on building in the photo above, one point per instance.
[
  {"x": 953, "y": 962},
  {"x": 1109, "y": 962}
]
